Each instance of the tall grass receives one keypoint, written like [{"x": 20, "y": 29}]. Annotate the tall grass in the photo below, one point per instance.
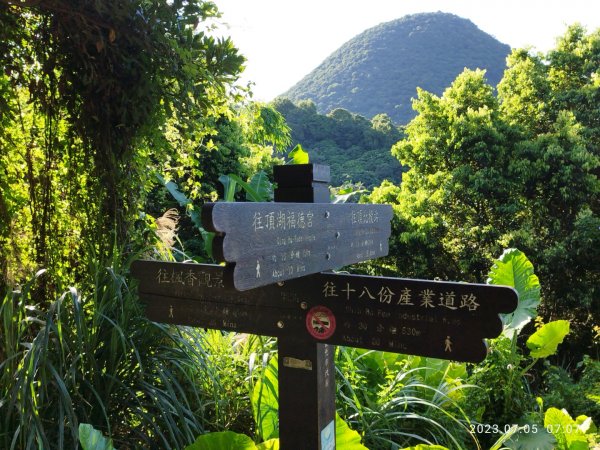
[
  {"x": 395, "y": 402},
  {"x": 94, "y": 359}
]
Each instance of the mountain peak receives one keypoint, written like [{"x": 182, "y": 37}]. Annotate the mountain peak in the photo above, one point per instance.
[{"x": 378, "y": 70}]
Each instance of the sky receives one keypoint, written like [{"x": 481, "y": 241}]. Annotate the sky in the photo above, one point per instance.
[{"x": 283, "y": 40}]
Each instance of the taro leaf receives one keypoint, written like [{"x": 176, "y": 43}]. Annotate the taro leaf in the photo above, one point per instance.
[
  {"x": 565, "y": 430},
  {"x": 346, "y": 438},
  {"x": 262, "y": 186},
  {"x": 544, "y": 341},
  {"x": 298, "y": 155},
  {"x": 265, "y": 402},
  {"x": 515, "y": 270},
  {"x": 259, "y": 188},
  {"x": 92, "y": 439},
  {"x": 586, "y": 424},
  {"x": 271, "y": 444},
  {"x": 540, "y": 440},
  {"x": 223, "y": 440},
  {"x": 230, "y": 187}
]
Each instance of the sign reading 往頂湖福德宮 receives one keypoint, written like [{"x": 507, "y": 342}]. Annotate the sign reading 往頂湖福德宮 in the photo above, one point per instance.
[
  {"x": 427, "y": 318},
  {"x": 266, "y": 243}
]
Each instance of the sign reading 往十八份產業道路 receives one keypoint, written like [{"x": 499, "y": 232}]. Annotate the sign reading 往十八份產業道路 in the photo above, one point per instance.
[{"x": 427, "y": 318}]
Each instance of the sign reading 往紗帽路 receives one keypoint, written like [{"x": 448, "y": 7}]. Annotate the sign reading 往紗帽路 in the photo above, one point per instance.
[
  {"x": 428, "y": 318},
  {"x": 266, "y": 243}
]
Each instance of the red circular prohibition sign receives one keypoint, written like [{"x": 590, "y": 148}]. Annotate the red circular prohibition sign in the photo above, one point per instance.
[{"x": 320, "y": 322}]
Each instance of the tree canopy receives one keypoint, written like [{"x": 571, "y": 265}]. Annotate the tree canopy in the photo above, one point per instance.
[{"x": 520, "y": 170}]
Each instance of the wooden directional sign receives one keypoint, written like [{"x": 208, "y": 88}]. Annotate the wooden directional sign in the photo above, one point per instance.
[
  {"x": 266, "y": 243},
  {"x": 428, "y": 318}
]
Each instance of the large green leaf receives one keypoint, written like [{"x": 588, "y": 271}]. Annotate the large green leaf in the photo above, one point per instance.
[
  {"x": 265, "y": 402},
  {"x": 298, "y": 155},
  {"x": 223, "y": 440},
  {"x": 230, "y": 187},
  {"x": 566, "y": 431},
  {"x": 258, "y": 189},
  {"x": 92, "y": 439},
  {"x": 346, "y": 438},
  {"x": 544, "y": 341},
  {"x": 515, "y": 270},
  {"x": 271, "y": 444},
  {"x": 262, "y": 186},
  {"x": 183, "y": 201},
  {"x": 541, "y": 439}
]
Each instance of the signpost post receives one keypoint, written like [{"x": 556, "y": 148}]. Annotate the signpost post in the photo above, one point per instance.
[{"x": 310, "y": 311}]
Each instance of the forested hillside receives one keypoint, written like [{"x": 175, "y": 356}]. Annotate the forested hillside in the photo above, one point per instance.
[
  {"x": 356, "y": 149},
  {"x": 379, "y": 70}
]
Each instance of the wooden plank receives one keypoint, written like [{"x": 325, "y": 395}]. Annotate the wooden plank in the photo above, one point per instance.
[
  {"x": 428, "y": 318},
  {"x": 257, "y": 236},
  {"x": 262, "y": 269},
  {"x": 228, "y": 249},
  {"x": 431, "y": 336},
  {"x": 267, "y": 221},
  {"x": 205, "y": 282}
]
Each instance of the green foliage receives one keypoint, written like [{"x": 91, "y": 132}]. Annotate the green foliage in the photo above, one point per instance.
[
  {"x": 570, "y": 434},
  {"x": 545, "y": 341},
  {"x": 578, "y": 393},
  {"x": 532, "y": 436},
  {"x": 265, "y": 402},
  {"x": 298, "y": 156},
  {"x": 355, "y": 148},
  {"x": 514, "y": 269},
  {"x": 92, "y": 439},
  {"x": 507, "y": 366},
  {"x": 488, "y": 173},
  {"x": 397, "y": 400},
  {"x": 425, "y": 447},
  {"x": 378, "y": 70},
  {"x": 222, "y": 440},
  {"x": 92, "y": 358},
  {"x": 225, "y": 373}
]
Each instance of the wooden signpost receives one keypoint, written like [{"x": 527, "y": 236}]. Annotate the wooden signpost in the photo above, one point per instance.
[
  {"x": 266, "y": 243},
  {"x": 308, "y": 310}
]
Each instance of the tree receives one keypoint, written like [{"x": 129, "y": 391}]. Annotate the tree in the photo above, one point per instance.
[
  {"x": 458, "y": 187},
  {"x": 520, "y": 170},
  {"x": 554, "y": 99},
  {"x": 95, "y": 93}
]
